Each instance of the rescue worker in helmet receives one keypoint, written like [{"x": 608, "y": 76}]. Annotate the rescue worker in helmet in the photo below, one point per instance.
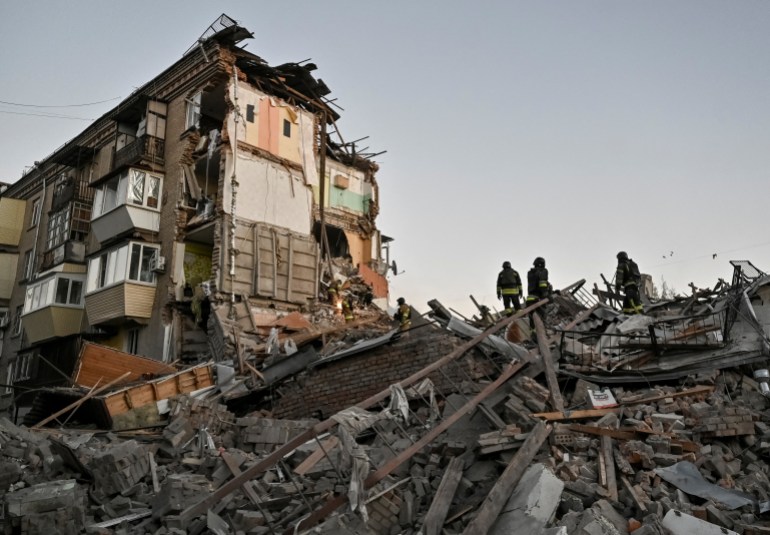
[
  {"x": 403, "y": 314},
  {"x": 538, "y": 286},
  {"x": 509, "y": 288},
  {"x": 627, "y": 281}
]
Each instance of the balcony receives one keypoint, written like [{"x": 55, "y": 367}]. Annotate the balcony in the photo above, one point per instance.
[
  {"x": 119, "y": 303},
  {"x": 123, "y": 219},
  {"x": 52, "y": 322},
  {"x": 70, "y": 251},
  {"x": 144, "y": 149}
]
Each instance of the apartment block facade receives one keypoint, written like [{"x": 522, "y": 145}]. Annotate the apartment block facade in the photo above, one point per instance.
[{"x": 215, "y": 182}]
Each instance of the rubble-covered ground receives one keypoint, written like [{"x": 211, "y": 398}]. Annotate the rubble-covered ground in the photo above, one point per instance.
[{"x": 566, "y": 418}]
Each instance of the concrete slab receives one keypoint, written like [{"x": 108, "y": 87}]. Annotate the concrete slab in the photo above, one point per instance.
[
  {"x": 532, "y": 503},
  {"x": 679, "y": 523}
]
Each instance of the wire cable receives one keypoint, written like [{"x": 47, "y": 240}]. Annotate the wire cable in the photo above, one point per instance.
[
  {"x": 51, "y": 115},
  {"x": 59, "y": 106}
]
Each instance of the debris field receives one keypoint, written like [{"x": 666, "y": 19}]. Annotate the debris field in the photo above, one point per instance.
[{"x": 567, "y": 417}]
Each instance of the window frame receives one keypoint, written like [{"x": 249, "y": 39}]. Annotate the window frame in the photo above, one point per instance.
[
  {"x": 114, "y": 266},
  {"x": 37, "y": 210},
  {"x": 44, "y": 292},
  {"x": 122, "y": 185},
  {"x": 193, "y": 111},
  {"x": 17, "y": 325},
  {"x": 28, "y": 265}
]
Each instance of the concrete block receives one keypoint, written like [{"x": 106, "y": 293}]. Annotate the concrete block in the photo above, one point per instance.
[{"x": 679, "y": 523}]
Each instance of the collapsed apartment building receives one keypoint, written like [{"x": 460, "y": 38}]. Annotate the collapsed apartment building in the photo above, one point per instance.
[
  {"x": 278, "y": 416},
  {"x": 223, "y": 182},
  {"x": 568, "y": 417}
]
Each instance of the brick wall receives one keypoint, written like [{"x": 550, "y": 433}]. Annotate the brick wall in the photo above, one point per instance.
[{"x": 345, "y": 382}]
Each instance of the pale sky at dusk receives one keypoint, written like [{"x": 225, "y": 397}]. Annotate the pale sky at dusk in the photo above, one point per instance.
[{"x": 564, "y": 129}]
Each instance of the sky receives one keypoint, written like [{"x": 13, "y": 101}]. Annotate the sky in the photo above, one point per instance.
[{"x": 567, "y": 129}]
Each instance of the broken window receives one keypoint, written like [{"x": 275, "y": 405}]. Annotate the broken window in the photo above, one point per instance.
[
  {"x": 133, "y": 186},
  {"x": 193, "y": 111},
  {"x": 136, "y": 187}
]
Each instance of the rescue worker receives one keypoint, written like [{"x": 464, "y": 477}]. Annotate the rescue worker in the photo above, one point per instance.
[
  {"x": 509, "y": 288},
  {"x": 403, "y": 314},
  {"x": 333, "y": 291},
  {"x": 627, "y": 281},
  {"x": 538, "y": 286},
  {"x": 347, "y": 308}
]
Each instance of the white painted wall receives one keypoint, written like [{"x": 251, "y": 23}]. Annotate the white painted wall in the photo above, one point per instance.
[{"x": 270, "y": 193}]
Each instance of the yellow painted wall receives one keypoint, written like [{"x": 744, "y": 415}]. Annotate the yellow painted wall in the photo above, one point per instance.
[
  {"x": 8, "y": 263},
  {"x": 11, "y": 220}
]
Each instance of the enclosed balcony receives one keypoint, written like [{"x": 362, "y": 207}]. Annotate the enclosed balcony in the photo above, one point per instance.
[
  {"x": 121, "y": 284},
  {"x": 53, "y": 307},
  {"x": 125, "y": 202}
]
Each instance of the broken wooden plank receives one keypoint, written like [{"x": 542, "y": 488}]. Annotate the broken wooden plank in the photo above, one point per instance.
[
  {"x": 609, "y": 467},
  {"x": 270, "y": 460},
  {"x": 632, "y": 491},
  {"x": 574, "y": 415},
  {"x": 694, "y": 391},
  {"x": 93, "y": 392},
  {"x": 326, "y": 446},
  {"x": 503, "y": 487},
  {"x": 603, "y": 431},
  {"x": 236, "y": 471},
  {"x": 442, "y": 500},
  {"x": 550, "y": 374}
]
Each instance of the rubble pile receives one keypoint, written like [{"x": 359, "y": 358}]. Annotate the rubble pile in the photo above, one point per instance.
[{"x": 590, "y": 423}]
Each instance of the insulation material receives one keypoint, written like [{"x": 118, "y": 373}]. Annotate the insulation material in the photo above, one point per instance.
[{"x": 279, "y": 196}]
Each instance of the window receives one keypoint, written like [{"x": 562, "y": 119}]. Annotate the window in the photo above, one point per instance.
[
  {"x": 4, "y": 318},
  {"x": 58, "y": 228},
  {"x": 28, "y": 264},
  {"x": 37, "y": 208},
  {"x": 68, "y": 291},
  {"x": 59, "y": 290},
  {"x": 134, "y": 262},
  {"x": 133, "y": 186},
  {"x": 286, "y": 128},
  {"x": 142, "y": 262},
  {"x": 22, "y": 367},
  {"x": 132, "y": 341},
  {"x": 17, "y": 321},
  {"x": 9, "y": 379},
  {"x": 193, "y": 111},
  {"x": 250, "y": 112}
]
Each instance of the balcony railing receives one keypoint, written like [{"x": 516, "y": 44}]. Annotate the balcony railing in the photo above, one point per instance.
[{"x": 142, "y": 148}]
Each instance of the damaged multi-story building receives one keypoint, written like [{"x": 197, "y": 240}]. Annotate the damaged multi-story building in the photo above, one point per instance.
[{"x": 222, "y": 181}]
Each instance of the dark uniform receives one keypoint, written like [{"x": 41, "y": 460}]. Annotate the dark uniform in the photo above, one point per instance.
[
  {"x": 403, "y": 314},
  {"x": 538, "y": 286},
  {"x": 627, "y": 280},
  {"x": 509, "y": 288}
]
